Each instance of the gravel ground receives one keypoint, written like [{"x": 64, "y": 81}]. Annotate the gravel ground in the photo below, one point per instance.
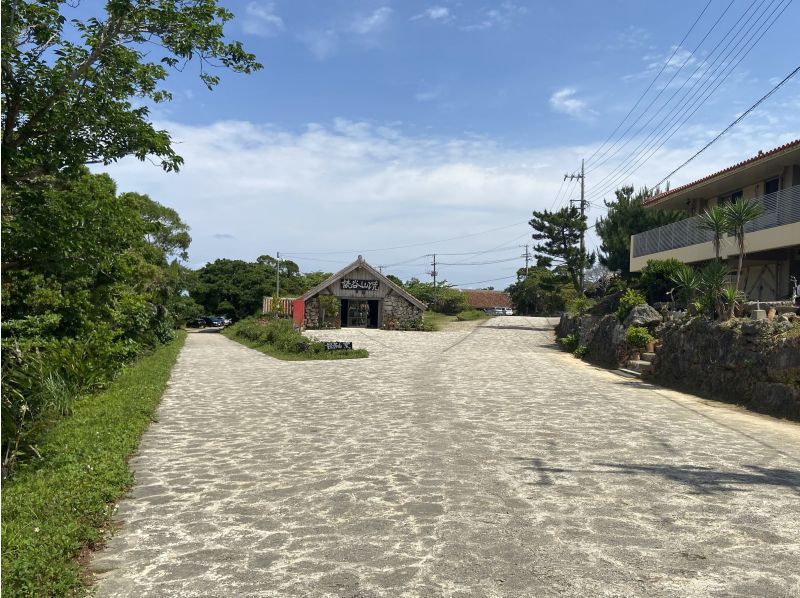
[{"x": 476, "y": 461}]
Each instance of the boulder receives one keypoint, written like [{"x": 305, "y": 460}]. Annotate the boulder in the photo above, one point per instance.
[
  {"x": 642, "y": 315},
  {"x": 606, "y": 305}
]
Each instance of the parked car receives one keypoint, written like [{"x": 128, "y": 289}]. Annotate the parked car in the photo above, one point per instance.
[
  {"x": 214, "y": 321},
  {"x": 507, "y": 311},
  {"x": 494, "y": 311},
  {"x": 196, "y": 323}
]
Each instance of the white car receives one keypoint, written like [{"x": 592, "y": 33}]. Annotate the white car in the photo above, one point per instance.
[{"x": 507, "y": 311}]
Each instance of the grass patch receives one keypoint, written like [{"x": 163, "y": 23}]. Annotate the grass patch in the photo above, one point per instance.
[
  {"x": 55, "y": 506},
  {"x": 469, "y": 315},
  {"x": 436, "y": 321},
  {"x": 279, "y": 339}
]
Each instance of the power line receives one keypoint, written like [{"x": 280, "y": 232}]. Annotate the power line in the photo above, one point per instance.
[
  {"x": 463, "y": 284},
  {"x": 734, "y": 123},
  {"x": 689, "y": 96},
  {"x": 657, "y": 140},
  {"x": 650, "y": 86}
]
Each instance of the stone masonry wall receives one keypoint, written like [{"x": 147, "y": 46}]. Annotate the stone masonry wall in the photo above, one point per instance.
[
  {"x": 397, "y": 308},
  {"x": 312, "y": 313},
  {"x": 754, "y": 363}
]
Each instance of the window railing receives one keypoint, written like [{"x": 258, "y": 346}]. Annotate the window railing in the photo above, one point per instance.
[{"x": 781, "y": 207}]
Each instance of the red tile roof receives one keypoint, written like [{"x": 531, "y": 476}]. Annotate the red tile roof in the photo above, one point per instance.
[
  {"x": 480, "y": 299},
  {"x": 756, "y": 158}
]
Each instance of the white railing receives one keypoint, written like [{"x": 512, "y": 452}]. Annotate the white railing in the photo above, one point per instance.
[{"x": 781, "y": 207}]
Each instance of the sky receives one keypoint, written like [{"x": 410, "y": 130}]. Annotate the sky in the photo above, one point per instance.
[{"x": 397, "y": 130}]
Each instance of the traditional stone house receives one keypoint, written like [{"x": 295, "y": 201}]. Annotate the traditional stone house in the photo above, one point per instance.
[
  {"x": 483, "y": 299},
  {"x": 357, "y": 296}
]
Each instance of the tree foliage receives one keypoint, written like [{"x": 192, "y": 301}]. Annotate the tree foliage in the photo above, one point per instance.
[
  {"x": 69, "y": 84},
  {"x": 561, "y": 234},
  {"x": 625, "y": 217}
]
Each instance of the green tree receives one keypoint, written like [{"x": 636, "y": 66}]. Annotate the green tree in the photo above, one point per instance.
[
  {"x": 561, "y": 234},
  {"x": 627, "y": 216},
  {"x": 540, "y": 292},
  {"x": 68, "y": 84},
  {"x": 738, "y": 215},
  {"x": 714, "y": 220}
]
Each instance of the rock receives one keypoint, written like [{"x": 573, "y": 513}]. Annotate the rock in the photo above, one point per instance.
[
  {"x": 607, "y": 305},
  {"x": 642, "y": 315},
  {"x": 755, "y": 327}
]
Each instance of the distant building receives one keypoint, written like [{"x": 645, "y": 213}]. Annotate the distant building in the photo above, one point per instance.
[
  {"x": 772, "y": 241},
  {"x": 481, "y": 299},
  {"x": 358, "y": 296}
]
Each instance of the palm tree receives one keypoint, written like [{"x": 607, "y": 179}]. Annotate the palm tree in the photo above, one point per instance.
[
  {"x": 738, "y": 215},
  {"x": 715, "y": 220},
  {"x": 712, "y": 283},
  {"x": 687, "y": 280}
]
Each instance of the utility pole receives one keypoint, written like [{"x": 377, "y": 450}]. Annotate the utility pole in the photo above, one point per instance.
[
  {"x": 527, "y": 257},
  {"x": 434, "y": 273},
  {"x": 278, "y": 276},
  {"x": 583, "y": 208}
]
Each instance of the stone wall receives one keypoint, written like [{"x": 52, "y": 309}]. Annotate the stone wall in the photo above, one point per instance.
[
  {"x": 312, "y": 313},
  {"x": 400, "y": 310},
  {"x": 603, "y": 337},
  {"x": 753, "y": 363}
]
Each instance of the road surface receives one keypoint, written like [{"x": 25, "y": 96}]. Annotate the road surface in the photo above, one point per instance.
[{"x": 477, "y": 461}]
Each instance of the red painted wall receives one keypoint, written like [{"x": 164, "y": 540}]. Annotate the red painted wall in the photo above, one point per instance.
[{"x": 298, "y": 312}]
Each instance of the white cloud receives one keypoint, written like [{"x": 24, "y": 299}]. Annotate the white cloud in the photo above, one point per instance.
[
  {"x": 435, "y": 13},
  {"x": 322, "y": 44},
  {"x": 564, "y": 101},
  {"x": 261, "y": 19},
  {"x": 248, "y": 189},
  {"x": 428, "y": 95},
  {"x": 371, "y": 23},
  {"x": 632, "y": 37},
  {"x": 502, "y": 16}
]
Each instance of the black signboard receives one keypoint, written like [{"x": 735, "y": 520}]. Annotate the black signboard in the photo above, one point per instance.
[
  {"x": 353, "y": 284},
  {"x": 337, "y": 345}
]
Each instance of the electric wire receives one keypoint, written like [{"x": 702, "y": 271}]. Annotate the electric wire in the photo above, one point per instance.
[
  {"x": 650, "y": 86},
  {"x": 666, "y": 132},
  {"x": 697, "y": 87},
  {"x": 730, "y": 126}
]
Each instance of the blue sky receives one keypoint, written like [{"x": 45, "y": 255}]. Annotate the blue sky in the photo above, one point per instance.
[{"x": 384, "y": 124}]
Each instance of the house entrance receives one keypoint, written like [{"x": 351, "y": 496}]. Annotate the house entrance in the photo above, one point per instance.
[{"x": 359, "y": 314}]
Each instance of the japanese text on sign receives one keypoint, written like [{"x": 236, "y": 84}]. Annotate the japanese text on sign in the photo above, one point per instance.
[{"x": 359, "y": 285}]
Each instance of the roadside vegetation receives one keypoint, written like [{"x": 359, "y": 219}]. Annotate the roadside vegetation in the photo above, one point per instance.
[
  {"x": 278, "y": 338},
  {"x": 60, "y": 504}
]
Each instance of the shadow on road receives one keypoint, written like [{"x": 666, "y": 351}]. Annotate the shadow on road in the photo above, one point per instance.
[{"x": 701, "y": 480}]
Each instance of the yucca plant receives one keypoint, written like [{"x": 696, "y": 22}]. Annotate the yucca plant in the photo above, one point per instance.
[
  {"x": 737, "y": 216},
  {"x": 733, "y": 298},
  {"x": 713, "y": 280},
  {"x": 687, "y": 281},
  {"x": 715, "y": 219}
]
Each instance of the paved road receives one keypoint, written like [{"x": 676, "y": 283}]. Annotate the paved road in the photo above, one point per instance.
[{"x": 471, "y": 462}]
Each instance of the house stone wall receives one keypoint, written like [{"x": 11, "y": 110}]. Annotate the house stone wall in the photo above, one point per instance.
[
  {"x": 312, "y": 313},
  {"x": 397, "y": 308}
]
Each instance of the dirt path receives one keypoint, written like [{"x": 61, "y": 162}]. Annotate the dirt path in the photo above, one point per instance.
[{"x": 476, "y": 461}]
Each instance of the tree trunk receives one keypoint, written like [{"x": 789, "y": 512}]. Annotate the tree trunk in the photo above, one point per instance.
[{"x": 740, "y": 240}]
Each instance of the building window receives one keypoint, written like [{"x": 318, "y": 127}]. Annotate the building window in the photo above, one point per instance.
[
  {"x": 772, "y": 185},
  {"x": 732, "y": 197}
]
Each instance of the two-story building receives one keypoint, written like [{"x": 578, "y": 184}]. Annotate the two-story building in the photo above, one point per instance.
[{"x": 772, "y": 242}]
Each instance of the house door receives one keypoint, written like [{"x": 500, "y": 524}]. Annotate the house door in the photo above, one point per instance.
[{"x": 358, "y": 313}]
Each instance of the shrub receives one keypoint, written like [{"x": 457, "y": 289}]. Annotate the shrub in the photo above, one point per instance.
[
  {"x": 638, "y": 336},
  {"x": 580, "y": 351},
  {"x": 470, "y": 314},
  {"x": 570, "y": 342},
  {"x": 656, "y": 279},
  {"x": 627, "y": 302},
  {"x": 579, "y": 306}
]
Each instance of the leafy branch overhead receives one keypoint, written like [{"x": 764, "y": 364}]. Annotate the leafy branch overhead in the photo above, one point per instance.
[{"x": 75, "y": 91}]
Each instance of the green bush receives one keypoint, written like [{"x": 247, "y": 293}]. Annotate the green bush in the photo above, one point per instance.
[
  {"x": 57, "y": 504},
  {"x": 280, "y": 339},
  {"x": 656, "y": 279},
  {"x": 570, "y": 342},
  {"x": 638, "y": 336},
  {"x": 627, "y": 302},
  {"x": 579, "y": 306},
  {"x": 470, "y": 314},
  {"x": 580, "y": 351}
]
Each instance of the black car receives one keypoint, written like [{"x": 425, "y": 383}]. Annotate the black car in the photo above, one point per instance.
[
  {"x": 196, "y": 323},
  {"x": 214, "y": 321}
]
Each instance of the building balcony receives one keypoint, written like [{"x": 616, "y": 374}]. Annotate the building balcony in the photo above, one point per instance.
[{"x": 778, "y": 227}]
